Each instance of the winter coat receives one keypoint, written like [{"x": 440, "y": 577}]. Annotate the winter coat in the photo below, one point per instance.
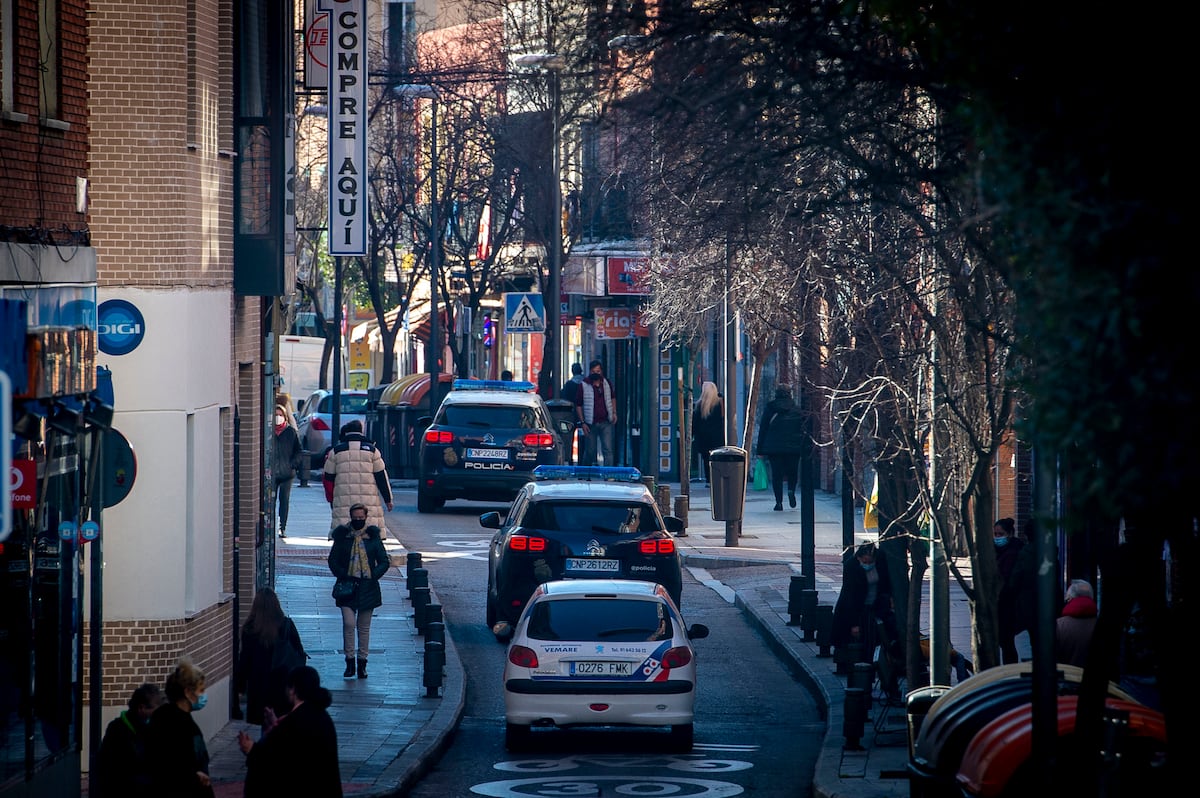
[
  {"x": 263, "y": 668},
  {"x": 176, "y": 751},
  {"x": 368, "y": 595},
  {"x": 355, "y": 474},
  {"x": 299, "y": 756},
  {"x": 782, "y": 428},
  {"x": 286, "y": 457},
  {"x": 124, "y": 770},
  {"x": 570, "y": 388},
  {"x": 708, "y": 432},
  {"x": 1073, "y": 631},
  {"x": 850, "y": 609},
  {"x": 585, "y": 401}
]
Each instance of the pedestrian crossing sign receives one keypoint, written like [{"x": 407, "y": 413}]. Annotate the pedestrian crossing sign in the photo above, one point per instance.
[{"x": 524, "y": 313}]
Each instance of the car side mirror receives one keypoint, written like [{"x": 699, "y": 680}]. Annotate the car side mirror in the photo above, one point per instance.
[
  {"x": 490, "y": 520},
  {"x": 673, "y": 523},
  {"x": 697, "y": 631}
]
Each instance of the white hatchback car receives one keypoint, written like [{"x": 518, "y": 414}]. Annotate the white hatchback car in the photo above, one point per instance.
[{"x": 600, "y": 652}]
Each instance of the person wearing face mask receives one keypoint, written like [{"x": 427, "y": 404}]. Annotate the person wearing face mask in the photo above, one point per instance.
[
  {"x": 305, "y": 734},
  {"x": 596, "y": 414},
  {"x": 1008, "y": 552},
  {"x": 285, "y": 460},
  {"x": 175, "y": 745},
  {"x": 122, "y": 765},
  {"x": 357, "y": 557},
  {"x": 865, "y": 597}
]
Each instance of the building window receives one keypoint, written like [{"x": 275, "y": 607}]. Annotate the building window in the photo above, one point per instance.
[
  {"x": 7, "y": 60},
  {"x": 48, "y": 59}
]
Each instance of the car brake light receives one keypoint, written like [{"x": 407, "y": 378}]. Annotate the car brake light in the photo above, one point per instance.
[
  {"x": 438, "y": 436},
  {"x": 657, "y": 546},
  {"x": 542, "y": 440},
  {"x": 677, "y": 657},
  {"x": 526, "y": 543},
  {"x": 522, "y": 657},
  {"x": 319, "y": 423}
]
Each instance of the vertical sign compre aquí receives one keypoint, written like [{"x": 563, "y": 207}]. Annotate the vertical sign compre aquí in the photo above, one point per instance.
[{"x": 348, "y": 128}]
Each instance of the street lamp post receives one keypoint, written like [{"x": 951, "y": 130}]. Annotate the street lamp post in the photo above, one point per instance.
[
  {"x": 548, "y": 378},
  {"x": 427, "y": 92}
]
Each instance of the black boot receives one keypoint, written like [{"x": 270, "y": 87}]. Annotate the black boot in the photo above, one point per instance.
[
  {"x": 362, "y": 667},
  {"x": 349, "y": 673}
]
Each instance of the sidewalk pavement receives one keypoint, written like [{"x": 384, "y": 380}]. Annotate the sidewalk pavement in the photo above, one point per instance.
[{"x": 390, "y": 731}]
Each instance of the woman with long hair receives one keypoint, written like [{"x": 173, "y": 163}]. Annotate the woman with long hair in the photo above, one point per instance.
[
  {"x": 708, "y": 425},
  {"x": 270, "y": 649}
]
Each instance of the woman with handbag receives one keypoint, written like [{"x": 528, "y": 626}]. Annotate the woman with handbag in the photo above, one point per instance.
[
  {"x": 270, "y": 650},
  {"x": 358, "y": 560}
]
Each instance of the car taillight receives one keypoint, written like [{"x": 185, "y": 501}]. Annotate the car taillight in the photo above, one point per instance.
[
  {"x": 438, "y": 436},
  {"x": 523, "y": 657},
  {"x": 657, "y": 546},
  {"x": 526, "y": 543},
  {"x": 677, "y": 657},
  {"x": 543, "y": 440},
  {"x": 319, "y": 424}
]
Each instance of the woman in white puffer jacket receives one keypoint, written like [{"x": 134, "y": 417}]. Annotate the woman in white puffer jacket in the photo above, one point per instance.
[{"x": 355, "y": 474}]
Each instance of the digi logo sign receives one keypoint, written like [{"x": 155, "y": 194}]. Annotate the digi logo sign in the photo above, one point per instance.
[{"x": 119, "y": 327}]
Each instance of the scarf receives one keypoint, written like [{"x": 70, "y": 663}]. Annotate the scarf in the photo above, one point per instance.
[{"x": 360, "y": 567}]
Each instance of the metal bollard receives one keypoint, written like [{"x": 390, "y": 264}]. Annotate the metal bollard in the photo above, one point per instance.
[
  {"x": 808, "y": 613},
  {"x": 845, "y": 656},
  {"x": 413, "y": 563},
  {"x": 681, "y": 512},
  {"x": 853, "y": 718},
  {"x": 663, "y": 497},
  {"x": 862, "y": 674},
  {"x": 435, "y": 631},
  {"x": 433, "y": 614},
  {"x": 420, "y": 602},
  {"x": 435, "y": 663},
  {"x": 824, "y": 630},
  {"x": 795, "y": 602},
  {"x": 305, "y": 465},
  {"x": 417, "y": 578}
]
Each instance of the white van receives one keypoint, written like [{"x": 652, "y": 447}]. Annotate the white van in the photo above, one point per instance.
[{"x": 300, "y": 366}]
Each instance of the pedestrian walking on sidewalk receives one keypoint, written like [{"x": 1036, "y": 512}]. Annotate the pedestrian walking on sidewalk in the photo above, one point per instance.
[
  {"x": 285, "y": 460},
  {"x": 299, "y": 756},
  {"x": 708, "y": 426},
  {"x": 358, "y": 560},
  {"x": 270, "y": 650},
  {"x": 1073, "y": 629},
  {"x": 123, "y": 767},
  {"x": 596, "y": 414},
  {"x": 781, "y": 440},
  {"x": 175, "y": 745},
  {"x": 866, "y": 597},
  {"x": 355, "y": 474}
]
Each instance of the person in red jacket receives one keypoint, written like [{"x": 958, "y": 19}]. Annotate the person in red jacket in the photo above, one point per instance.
[{"x": 1073, "y": 630}]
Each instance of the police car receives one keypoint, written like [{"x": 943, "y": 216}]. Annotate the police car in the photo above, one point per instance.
[
  {"x": 600, "y": 653},
  {"x": 484, "y": 442},
  {"x": 577, "y": 522}
]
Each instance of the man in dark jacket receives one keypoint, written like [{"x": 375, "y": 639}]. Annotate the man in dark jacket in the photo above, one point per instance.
[
  {"x": 781, "y": 440},
  {"x": 123, "y": 768}
]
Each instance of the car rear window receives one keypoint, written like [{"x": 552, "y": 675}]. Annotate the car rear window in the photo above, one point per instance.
[
  {"x": 610, "y": 518},
  {"x": 488, "y": 417},
  {"x": 608, "y": 620},
  {"x": 352, "y": 403}
]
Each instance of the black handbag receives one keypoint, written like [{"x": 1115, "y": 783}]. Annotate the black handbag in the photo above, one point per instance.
[{"x": 344, "y": 589}]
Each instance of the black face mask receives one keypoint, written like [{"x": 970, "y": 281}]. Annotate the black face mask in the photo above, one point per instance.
[
  {"x": 358, "y": 523},
  {"x": 595, "y": 377}
]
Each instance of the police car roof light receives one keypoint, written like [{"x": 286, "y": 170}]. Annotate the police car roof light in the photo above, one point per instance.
[
  {"x": 545, "y": 473},
  {"x": 492, "y": 385}
]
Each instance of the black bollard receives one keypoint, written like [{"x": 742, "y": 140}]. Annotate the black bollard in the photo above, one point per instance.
[
  {"x": 681, "y": 512},
  {"x": 418, "y": 577},
  {"x": 795, "y": 606},
  {"x": 862, "y": 674},
  {"x": 420, "y": 602},
  {"x": 433, "y": 614},
  {"x": 413, "y": 563},
  {"x": 435, "y": 663},
  {"x": 853, "y": 718},
  {"x": 435, "y": 631},
  {"x": 824, "y": 629},
  {"x": 808, "y": 614}
]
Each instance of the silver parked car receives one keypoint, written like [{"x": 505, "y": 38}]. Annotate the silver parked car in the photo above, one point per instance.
[{"x": 315, "y": 421}]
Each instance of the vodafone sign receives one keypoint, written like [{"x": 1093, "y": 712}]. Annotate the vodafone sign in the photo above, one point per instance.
[{"x": 22, "y": 484}]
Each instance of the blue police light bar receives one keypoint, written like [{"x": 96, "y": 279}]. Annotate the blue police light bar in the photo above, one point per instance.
[
  {"x": 544, "y": 473},
  {"x": 492, "y": 385}
]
